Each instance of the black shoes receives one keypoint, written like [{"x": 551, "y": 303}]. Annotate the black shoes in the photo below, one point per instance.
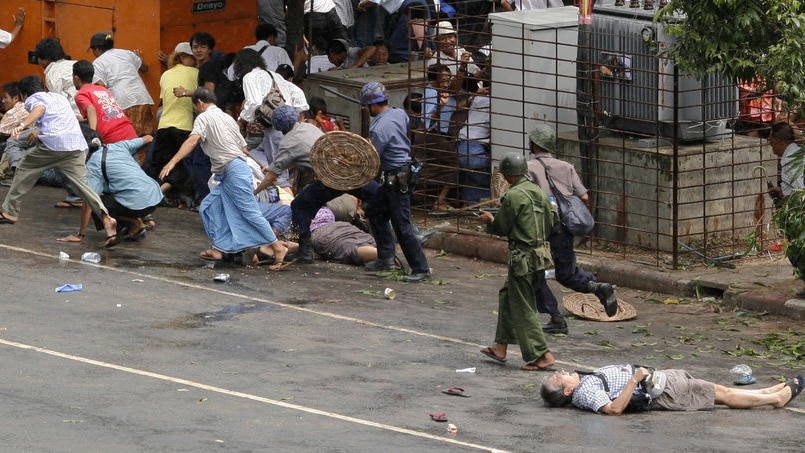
[
  {"x": 605, "y": 292},
  {"x": 378, "y": 265},
  {"x": 558, "y": 324},
  {"x": 419, "y": 277}
]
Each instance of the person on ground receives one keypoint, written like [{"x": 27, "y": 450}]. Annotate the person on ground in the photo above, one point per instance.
[
  {"x": 6, "y": 38},
  {"x": 609, "y": 390},
  {"x": 99, "y": 106},
  {"x": 526, "y": 218},
  {"x": 116, "y": 176},
  {"x": 230, "y": 212},
  {"x": 542, "y": 140},
  {"x": 341, "y": 241},
  {"x": 119, "y": 70},
  {"x": 60, "y": 145}
]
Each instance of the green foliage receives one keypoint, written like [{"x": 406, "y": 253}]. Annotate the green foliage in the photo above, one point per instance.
[{"x": 741, "y": 39}]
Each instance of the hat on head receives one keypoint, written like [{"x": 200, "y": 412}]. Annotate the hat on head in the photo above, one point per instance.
[
  {"x": 373, "y": 93},
  {"x": 99, "y": 39},
  {"x": 444, "y": 28},
  {"x": 183, "y": 47},
  {"x": 284, "y": 118},
  {"x": 544, "y": 137}
]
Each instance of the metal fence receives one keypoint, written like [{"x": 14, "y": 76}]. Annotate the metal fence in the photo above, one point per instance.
[{"x": 677, "y": 168}]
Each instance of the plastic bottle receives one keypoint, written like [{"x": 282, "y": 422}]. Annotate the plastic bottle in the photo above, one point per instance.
[
  {"x": 273, "y": 194},
  {"x": 91, "y": 257},
  {"x": 552, "y": 201}
]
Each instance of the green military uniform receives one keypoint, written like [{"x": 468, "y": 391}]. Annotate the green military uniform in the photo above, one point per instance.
[{"x": 526, "y": 218}]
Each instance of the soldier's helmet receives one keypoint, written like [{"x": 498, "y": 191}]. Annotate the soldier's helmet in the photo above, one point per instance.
[
  {"x": 544, "y": 137},
  {"x": 513, "y": 164}
]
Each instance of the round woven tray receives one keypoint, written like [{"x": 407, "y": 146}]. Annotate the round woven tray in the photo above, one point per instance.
[
  {"x": 588, "y": 306},
  {"x": 344, "y": 160}
]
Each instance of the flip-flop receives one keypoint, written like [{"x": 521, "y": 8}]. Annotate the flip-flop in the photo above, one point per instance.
[
  {"x": 440, "y": 417},
  {"x": 491, "y": 354},
  {"x": 282, "y": 265},
  {"x": 139, "y": 235},
  {"x": 796, "y": 385},
  {"x": 207, "y": 255},
  {"x": 457, "y": 391},
  {"x": 5, "y": 220},
  {"x": 112, "y": 240}
]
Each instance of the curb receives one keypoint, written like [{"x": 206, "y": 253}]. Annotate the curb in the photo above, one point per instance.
[{"x": 773, "y": 299}]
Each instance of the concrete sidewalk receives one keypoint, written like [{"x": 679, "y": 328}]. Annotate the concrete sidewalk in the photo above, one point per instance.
[{"x": 761, "y": 284}]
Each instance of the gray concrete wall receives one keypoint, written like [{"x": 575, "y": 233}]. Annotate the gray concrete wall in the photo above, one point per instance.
[{"x": 719, "y": 194}]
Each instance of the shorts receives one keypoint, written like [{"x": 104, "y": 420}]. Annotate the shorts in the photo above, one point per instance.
[{"x": 684, "y": 393}]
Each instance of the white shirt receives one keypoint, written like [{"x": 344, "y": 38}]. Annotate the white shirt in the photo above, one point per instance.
[
  {"x": 59, "y": 79},
  {"x": 320, "y": 63},
  {"x": 452, "y": 63},
  {"x": 319, "y": 6},
  {"x": 478, "y": 117},
  {"x": 256, "y": 85},
  {"x": 272, "y": 55},
  {"x": 119, "y": 71},
  {"x": 5, "y": 39},
  {"x": 790, "y": 183}
]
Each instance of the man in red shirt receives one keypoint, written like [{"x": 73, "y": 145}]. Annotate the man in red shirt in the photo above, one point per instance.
[{"x": 99, "y": 107}]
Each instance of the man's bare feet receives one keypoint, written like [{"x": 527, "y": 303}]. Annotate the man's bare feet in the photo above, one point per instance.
[
  {"x": 544, "y": 362},
  {"x": 110, "y": 227},
  {"x": 280, "y": 251},
  {"x": 211, "y": 255},
  {"x": 70, "y": 238}
]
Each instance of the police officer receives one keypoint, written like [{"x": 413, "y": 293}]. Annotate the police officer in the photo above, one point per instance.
[
  {"x": 568, "y": 273},
  {"x": 388, "y": 132}
]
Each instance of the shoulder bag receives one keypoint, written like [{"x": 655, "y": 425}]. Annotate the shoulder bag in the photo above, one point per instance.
[{"x": 575, "y": 216}]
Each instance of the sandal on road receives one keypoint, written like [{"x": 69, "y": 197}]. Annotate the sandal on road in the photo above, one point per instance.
[{"x": 457, "y": 391}]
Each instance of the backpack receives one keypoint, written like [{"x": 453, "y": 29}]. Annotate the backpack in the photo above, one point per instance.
[
  {"x": 640, "y": 400},
  {"x": 271, "y": 101}
]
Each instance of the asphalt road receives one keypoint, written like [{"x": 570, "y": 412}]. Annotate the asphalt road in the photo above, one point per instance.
[{"x": 153, "y": 355}]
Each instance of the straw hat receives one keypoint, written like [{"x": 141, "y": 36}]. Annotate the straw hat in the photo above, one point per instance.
[
  {"x": 588, "y": 306},
  {"x": 344, "y": 160}
]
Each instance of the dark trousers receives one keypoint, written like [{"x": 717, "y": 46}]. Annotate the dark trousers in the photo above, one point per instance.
[
  {"x": 315, "y": 195},
  {"x": 568, "y": 274},
  {"x": 389, "y": 204},
  {"x": 198, "y": 167}
]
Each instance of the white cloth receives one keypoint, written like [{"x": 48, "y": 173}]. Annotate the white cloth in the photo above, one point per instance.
[
  {"x": 220, "y": 138},
  {"x": 452, "y": 63},
  {"x": 790, "y": 183},
  {"x": 256, "y": 85},
  {"x": 319, "y": 6},
  {"x": 5, "y": 39},
  {"x": 320, "y": 63},
  {"x": 59, "y": 79},
  {"x": 119, "y": 71},
  {"x": 273, "y": 56},
  {"x": 389, "y": 5},
  {"x": 524, "y": 5},
  {"x": 478, "y": 118},
  {"x": 345, "y": 12}
]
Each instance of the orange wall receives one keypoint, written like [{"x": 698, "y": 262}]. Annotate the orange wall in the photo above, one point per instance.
[{"x": 148, "y": 25}]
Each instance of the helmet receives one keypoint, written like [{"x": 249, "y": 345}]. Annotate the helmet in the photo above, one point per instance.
[
  {"x": 373, "y": 93},
  {"x": 513, "y": 164},
  {"x": 284, "y": 118},
  {"x": 544, "y": 137}
]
